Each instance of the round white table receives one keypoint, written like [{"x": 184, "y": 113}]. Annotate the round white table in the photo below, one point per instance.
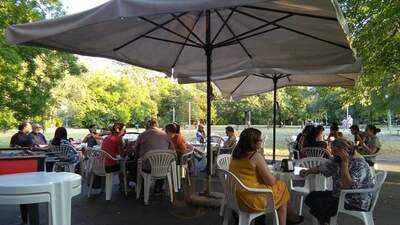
[{"x": 55, "y": 188}]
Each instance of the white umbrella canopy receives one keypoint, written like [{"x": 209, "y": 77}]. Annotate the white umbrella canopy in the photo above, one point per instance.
[
  {"x": 259, "y": 81},
  {"x": 161, "y": 35},
  {"x": 200, "y": 38}
]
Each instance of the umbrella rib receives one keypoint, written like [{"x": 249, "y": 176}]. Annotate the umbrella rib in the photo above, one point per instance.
[
  {"x": 293, "y": 30},
  {"x": 222, "y": 27},
  {"x": 252, "y": 30},
  {"x": 171, "y": 41},
  {"x": 234, "y": 35},
  {"x": 345, "y": 77},
  {"x": 169, "y": 30},
  {"x": 246, "y": 37},
  {"x": 240, "y": 84},
  {"x": 148, "y": 32},
  {"x": 183, "y": 46},
  {"x": 188, "y": 29},
  {"x": 294, "y": 13}
]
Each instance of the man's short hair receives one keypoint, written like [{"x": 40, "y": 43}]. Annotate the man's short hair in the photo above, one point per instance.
[{"x": 22, "y": 126}]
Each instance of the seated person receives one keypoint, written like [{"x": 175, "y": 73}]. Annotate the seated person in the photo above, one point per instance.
[
  {"x": 37, "y": 136},
  {"x": 359, "y": 136},
  {"x": 153, "y": 138},
  {"x": 302, "y": 136},
  {"x": 200, "y": 134},
  {"x": 334, "y": 132},
  {"x": 314, "y": 140},
  {"x": 231, "y": 141},
  {"x": 93, "y": 138},
  {"x": 177, "y": 140},
  {"x": 22, "y": 138},
  {"x": 370, "y": 145},
  {"x": 250, "y": 167},
  {"x": 348, "y": 171},
  {"x": 113, "y": 145},
  {"x": 61, "y": 138}
]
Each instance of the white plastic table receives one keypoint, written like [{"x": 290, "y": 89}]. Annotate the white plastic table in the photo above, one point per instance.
[{"x": 55, "y": 188}]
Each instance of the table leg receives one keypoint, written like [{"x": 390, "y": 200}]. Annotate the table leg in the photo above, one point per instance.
[{"x": 33, "y": 213}]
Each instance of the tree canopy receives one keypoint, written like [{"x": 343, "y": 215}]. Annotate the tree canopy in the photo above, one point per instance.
[{"x": 50, "y": 87}]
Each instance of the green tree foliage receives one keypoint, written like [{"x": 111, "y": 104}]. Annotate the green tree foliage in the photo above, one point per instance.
[
  {"x": 27, "y": 74},
  {"x": 40, "y": 84},
  {"x": 375, "y": 31}
]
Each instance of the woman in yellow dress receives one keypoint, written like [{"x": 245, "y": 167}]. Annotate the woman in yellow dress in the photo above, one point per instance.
[{"x": 250, "y": 167}]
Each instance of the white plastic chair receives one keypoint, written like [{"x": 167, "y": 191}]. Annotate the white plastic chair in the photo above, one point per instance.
[
  {"x": 183, "y": 168},
  {"x": 161, "y": 164},
  {"x": 293, "y": 153},
  {"x": 230, "y": 184},
  {"x": 366, "y": 217},
  {"x": 97, "y": 160},
  {"x": 314, "y": 151},
  {"x": 223, "y": 161},
  {"x": 62, "y": 152},
  {"x": 318, "y": 180}
]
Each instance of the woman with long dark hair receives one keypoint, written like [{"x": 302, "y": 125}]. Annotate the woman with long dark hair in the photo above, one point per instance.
[
  {"x": 250, "y": 167},
  {"x": 61, "y": 138}
]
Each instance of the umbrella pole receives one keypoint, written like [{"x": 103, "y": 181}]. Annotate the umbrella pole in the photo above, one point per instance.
[
  {"x": 208, "y": 51},
  {"x": 275, "y": 80}
]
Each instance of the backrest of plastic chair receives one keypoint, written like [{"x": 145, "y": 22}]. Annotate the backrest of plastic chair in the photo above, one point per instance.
[
  {"x": 216, "y": 139},
  {"x": 98, "y": 158},
  {"x": 186, "y": 157},
  {"x": 320, "y": 182},
  {"x": 223, "y": 161},
  {"x": 160, "y": 162},
  {"x": 231, "y": 184},
  {"x": 380, "y": 178},
  {"x": 314, "y": 151},
  {"x": 310, "y": 162},
  {"x": 61, "y": 150}
]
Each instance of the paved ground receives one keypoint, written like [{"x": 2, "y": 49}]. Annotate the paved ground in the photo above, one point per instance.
[{"x": 124, "y": 211}]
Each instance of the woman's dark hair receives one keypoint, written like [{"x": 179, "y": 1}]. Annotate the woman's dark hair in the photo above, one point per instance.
[
  {"x": 373, "y": 128},
  {"x": 116, "y": 128},
  {"x": 247, "y": 142},
  {"x": 355, "y": 127},
  {"x": 307, "y": 129},
  {"x": 229, "y": 129},
  {"x": 334, "y": 126},
  {"x": 59, "y": 134},
  {"x": 311, "y": 136},
  {"x": 178, "y": 128},
  {"x": 22, "y": 126},
  {"x": 170, "y": 128}
]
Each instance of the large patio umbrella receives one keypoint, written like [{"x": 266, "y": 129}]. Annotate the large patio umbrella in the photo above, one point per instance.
[
  {"x": 200, "y": 37},
  {"x": 259, "y": 81}
]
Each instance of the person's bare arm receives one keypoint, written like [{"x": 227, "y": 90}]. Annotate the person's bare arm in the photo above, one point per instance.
[
  {"x": 313, "y": 170},
  {"x": 262, "y": 169}
]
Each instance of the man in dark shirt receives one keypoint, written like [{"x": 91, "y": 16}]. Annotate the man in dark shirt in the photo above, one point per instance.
[{"x": 22, "y": 138}]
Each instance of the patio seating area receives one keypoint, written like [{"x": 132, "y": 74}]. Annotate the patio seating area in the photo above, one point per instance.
[{"x": 128, "y": 210}]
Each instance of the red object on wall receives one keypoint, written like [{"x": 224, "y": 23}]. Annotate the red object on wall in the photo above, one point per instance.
[{"x": 18, "y": 166}]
